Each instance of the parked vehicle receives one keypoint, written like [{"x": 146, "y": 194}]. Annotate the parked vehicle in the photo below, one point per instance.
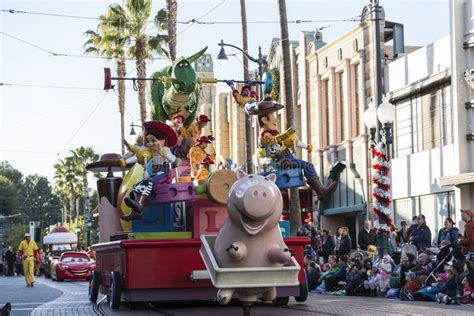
[{"x": 72, "y": 265}]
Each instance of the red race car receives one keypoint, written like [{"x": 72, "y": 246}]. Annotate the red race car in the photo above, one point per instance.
[{"x": 72, "y": 265}]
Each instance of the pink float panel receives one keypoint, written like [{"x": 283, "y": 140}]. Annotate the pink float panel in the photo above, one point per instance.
[
  {"x": 208, "y": 217},
  {"x": 174, "y": 192}
]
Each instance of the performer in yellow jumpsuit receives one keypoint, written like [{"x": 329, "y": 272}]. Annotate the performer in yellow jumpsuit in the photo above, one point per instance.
[
  {"x": 28, "y": 249},
  {"x": 203, "y": 171}
]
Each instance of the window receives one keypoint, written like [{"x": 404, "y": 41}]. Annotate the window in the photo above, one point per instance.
[
  {"x": 355, "y": 132},
  {"x": 355, "y": 45},
  {"x": 424, "y": 122},
  {"x": 436, "y": 208},
  {"x": 342, "y": 117},
  {"x": 325, "y": 62},
  {"x": 325, "y": 121},
  {"x": 339, "y": 54}
]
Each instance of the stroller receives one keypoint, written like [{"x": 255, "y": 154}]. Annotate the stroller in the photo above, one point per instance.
[{"x": 446, "y": 254}]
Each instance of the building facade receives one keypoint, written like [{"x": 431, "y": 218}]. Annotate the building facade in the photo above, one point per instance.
[{"x": 423, "y": 150}]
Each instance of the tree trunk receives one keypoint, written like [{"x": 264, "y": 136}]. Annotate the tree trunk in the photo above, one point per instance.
[
  {"x": 294, "y": 199},
  {"x": 140, "y": 56},
  {"x": 172, "y": 7},
  {"x": 248, "y": 119},
  {"x": 121, "y": 73}
]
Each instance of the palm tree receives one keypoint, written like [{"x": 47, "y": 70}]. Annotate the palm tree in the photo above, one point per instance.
[
  {"x": 67, "y": 184},
  {"x": 110, "y": 42},
  {"x": 134, "y": 20},
  {"x": 81, "y": 157},
  {"x": 294, "y": 199},
  {"x": 172, "y": 8},
  {"x": 248, "y": 119}
]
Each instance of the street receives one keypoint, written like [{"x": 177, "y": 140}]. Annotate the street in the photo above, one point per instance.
[{"x": 50, "y": 298}]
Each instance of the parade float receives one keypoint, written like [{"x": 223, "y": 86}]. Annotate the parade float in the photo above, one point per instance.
[
  {"x": 158, "y": 224},
  {"x": 58, "y": 241}
]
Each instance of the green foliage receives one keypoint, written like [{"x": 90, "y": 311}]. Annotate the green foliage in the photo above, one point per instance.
[
  {"x": 8, "y": 196},
  {"x": 276, "y": 84},
  {"x": 16, "y": 234}
]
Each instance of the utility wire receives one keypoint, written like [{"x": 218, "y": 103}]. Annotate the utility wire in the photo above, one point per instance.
[
  {"x": 45, "y": 86},
  {"x": 191, "y": 21},
  {"x": 85, "y": 121},
  {"x": 201, "y": 17},
  {"x": 54, "y": 54}
]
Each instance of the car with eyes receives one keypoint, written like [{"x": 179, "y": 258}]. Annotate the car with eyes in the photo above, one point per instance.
[{"x": 72, "y": 265}]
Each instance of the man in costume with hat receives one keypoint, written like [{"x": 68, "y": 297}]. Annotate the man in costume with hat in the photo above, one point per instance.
[
  {"x": 196, "y": 127},
  {"x": 246, "y": 95},
  {"x": 156, "y": 158},
  {"x": 271, "y": 137},
  {"x": 198, "y": 153},
  {"x": 27, "y": 250},
  {"x": 467, "y": 240}
]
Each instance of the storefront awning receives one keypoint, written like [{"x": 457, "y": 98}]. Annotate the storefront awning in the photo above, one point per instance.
[
  {"x": 458, "y": 179},
  {"x": 348, "y": 197}
]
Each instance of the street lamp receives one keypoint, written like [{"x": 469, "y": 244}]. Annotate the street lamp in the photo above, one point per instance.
[
  {"x": 380, "y": 148},
  {"x": 262, "y": 64},
  {"x": 132, "y": 131}
]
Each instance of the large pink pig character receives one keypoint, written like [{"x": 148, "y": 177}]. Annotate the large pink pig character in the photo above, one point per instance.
[{"x": 250, "y": 236}]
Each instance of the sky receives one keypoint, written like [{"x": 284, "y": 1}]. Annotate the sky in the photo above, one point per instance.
[{"x": 40, "y": 125}]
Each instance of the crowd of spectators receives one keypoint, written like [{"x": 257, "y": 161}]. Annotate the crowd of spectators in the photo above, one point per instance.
[{"x": 414, "y": 265}]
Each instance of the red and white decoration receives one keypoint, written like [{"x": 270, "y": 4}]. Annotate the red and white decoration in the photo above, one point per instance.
[{"x": 381, "y": 187}]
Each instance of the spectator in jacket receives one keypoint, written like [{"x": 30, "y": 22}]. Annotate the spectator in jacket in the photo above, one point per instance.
[
  {"x": 421, "y": 236},
  {"x": 339, "y": 274},
  {"x": 366, "y": 236},
  {"x": 410, "y": 287},
  {"x": 448, "y": 232},
  {"x": 414, "y": 223},
  {"x": 315, "y": 239},
  {"x": 402, "y": 234},
  {"x": 328, "y": 244},
  {"x": 10, "y": 258},
  {"x": 345, "y": 244},
  {"x": 467, "y": 240}
]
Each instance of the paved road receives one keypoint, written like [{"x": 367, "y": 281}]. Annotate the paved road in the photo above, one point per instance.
[
  {"x": 70, "y": 298},
  {"x": 25, "y": 299}
]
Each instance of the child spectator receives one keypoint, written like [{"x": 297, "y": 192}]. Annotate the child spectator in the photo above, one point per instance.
[
  {"x": 313, "y": 273},
  {"x": 385, "y": 272},
  {"x": 467, "y": 293},
  {"x": 449, "y": 291},
  {"x": 371, "y": 284},
  {"x": 423, "y": 267},
  {"x": 411, "y": 286},
  {"x": 354, "y": 278},
  {"x": 406, "y": 264}
]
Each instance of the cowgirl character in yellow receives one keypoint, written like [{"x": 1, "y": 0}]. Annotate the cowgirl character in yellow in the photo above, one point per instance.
[
  {"x": 198, "y": 153},
  {"x": 27, "y": 250},
  {"x": 156, "y": 158}
]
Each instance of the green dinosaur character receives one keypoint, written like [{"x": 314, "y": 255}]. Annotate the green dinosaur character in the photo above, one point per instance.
[{"x": 175, "y": 90}]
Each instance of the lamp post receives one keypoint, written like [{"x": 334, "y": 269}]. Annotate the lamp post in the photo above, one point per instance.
[
  {"x": 262, "y": 64},
  {"x": 380, "y": 148}
]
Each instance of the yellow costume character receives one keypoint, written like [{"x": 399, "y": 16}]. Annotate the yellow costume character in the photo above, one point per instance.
[
  {"x": 28, "y": 250},
  {"x": 195, "y": 128},
  {"x": 203, "y": 172},
  {"x": 198, "y": 153},
  {"x": 247, "y": 94}
]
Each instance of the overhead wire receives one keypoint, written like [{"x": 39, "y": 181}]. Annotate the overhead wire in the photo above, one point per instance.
[
  {"x": 190, "y": 21},
  {"x": 201, "y": 17},
  {"x": 55, "y": 54},
  {"x": 46, "y": 86},
  {"x": 85, "y": 121}
]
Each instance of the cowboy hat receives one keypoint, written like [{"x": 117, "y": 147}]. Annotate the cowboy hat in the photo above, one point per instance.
[
  {"x": 160, "y": 129},
  {"x": 263, "y": 107}
]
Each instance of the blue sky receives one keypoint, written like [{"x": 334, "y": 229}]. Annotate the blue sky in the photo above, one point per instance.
[{"x": 38, "y": 126}]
